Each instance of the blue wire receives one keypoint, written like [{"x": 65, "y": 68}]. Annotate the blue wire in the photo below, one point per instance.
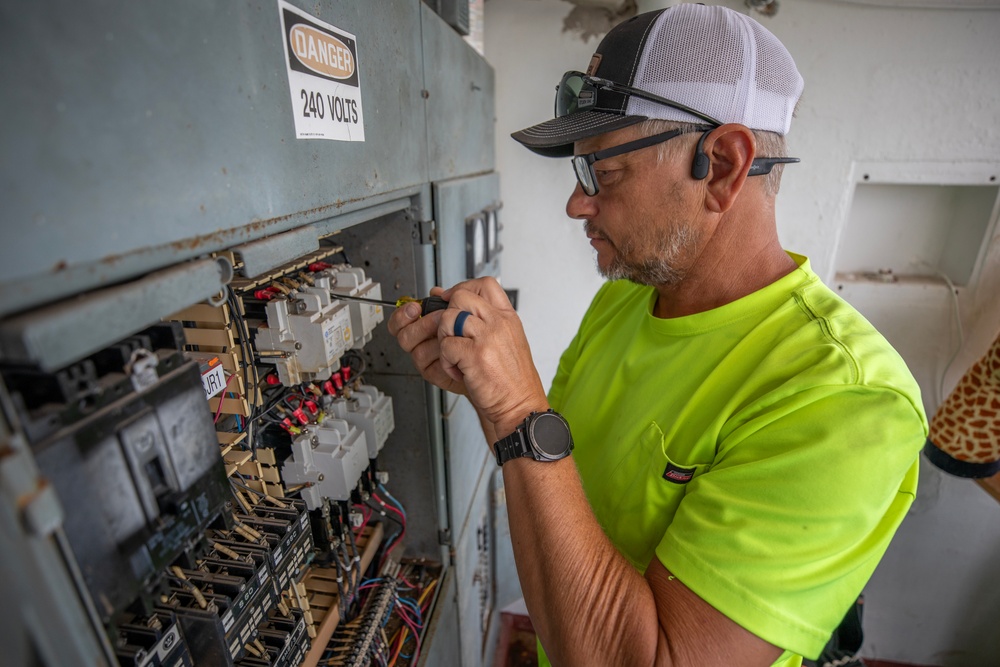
[
  {"x": 413, "y": 605},
  {"x": 395, "y": 502}
]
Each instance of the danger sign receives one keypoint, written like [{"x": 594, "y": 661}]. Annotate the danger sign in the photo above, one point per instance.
[{"x": 323, "y": 77}]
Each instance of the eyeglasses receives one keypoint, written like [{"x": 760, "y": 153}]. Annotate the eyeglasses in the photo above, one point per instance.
[
  {"x": 578, "y": 92},
  {"x": 583, "y": 165}
]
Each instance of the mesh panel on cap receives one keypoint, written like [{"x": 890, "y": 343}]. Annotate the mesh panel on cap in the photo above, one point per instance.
[{"x": 721, "y": 63}]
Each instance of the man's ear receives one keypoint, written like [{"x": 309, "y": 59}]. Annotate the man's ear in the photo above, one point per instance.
[{"x": 730, "y": 150}]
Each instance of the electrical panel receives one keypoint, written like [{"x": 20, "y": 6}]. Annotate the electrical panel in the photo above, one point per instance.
[
  {"x": 222, "y": 468},
  {"x": 211, "y": 450}
]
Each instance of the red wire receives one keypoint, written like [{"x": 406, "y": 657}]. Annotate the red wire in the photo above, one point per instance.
[
  {"x": 222, "y": 397},
  {"x": 390, "y": 507},
  {"x": 367, "y": 516}
]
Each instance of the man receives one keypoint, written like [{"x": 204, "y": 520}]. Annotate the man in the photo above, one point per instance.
[{"x": 746, "y": 443}]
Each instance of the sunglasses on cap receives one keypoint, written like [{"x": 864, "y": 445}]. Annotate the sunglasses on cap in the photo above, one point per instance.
[{"x": 578, "y": 92}]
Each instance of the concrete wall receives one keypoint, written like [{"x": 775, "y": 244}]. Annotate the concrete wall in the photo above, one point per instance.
[{"x": 912, "y": 96}]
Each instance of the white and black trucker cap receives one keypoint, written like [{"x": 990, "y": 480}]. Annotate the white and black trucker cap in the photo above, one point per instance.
[{"x": 713, "y": 59}]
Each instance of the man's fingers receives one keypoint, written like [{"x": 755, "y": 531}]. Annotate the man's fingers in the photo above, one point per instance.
[
  {"x": 487, "y": 288},
  {"x": 403, "y": 317},
  {"x": 457, "y": 322},
  {"x": 410, "y": 332},
  {"x": 425, "y": 354}
]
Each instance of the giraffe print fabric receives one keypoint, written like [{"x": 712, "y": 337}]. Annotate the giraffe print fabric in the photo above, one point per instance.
[{"x": 966, "y": 428}]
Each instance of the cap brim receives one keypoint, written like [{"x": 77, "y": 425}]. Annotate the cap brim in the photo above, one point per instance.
[{"x": 554, "y": 138}]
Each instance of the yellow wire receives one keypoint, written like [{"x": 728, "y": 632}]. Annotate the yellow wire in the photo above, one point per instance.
[{"x": 423, "y": 596}]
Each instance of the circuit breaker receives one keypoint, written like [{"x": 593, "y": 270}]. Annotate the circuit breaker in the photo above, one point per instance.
[
  {"x": 305, "y": 335},
  {"x": 330, "y": 459}
]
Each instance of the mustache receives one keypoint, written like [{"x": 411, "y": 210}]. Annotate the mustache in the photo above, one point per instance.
[{"x": 591, "y": 231}]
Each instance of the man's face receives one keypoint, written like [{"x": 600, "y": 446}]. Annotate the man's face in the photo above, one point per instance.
[{"x": 642, "y": 222}]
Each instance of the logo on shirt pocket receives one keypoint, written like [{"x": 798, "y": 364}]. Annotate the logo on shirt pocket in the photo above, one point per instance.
[{"x": 677, "y": 474}]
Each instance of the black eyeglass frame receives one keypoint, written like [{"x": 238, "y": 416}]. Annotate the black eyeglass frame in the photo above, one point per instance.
[{"x": 583, "y": 165}]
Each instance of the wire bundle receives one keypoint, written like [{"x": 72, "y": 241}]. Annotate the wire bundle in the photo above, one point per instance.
[
  {"x": 409, "y": 602},
  {"x": 398, "y": 516}
]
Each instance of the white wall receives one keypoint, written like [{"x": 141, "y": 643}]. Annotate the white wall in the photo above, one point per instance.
[{"x": 885, "y": 86}]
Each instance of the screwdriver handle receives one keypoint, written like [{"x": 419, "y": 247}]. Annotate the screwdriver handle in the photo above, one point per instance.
[
  {"x": 432, "y": 303},
  {"x": 428, "y": 305}
]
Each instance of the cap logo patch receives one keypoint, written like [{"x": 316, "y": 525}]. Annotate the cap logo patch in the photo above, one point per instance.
[
  {"x": 677, "y": 474},
  {"x": 595, "y": 62}
]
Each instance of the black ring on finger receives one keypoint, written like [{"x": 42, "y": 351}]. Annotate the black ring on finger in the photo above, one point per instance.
[{"x": 460, "y": 322}]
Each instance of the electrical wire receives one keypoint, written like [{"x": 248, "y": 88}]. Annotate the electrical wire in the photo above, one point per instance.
[
  {"x": 957, "y": 316},
  {"x": 222, "y": 398},
  {"x": 352, "y": 354},
  {"x": 247, "y": 352},
  {"x": 385, "y": 492},
  {"x": 394, "y": 541},
  {"x": 341, "y": 598}
]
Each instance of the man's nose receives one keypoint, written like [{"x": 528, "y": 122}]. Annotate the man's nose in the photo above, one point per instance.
[{"x": 580, "y": 205}]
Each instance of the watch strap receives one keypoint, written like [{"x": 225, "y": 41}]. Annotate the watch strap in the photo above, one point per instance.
[{"x": 513, "y": 446}]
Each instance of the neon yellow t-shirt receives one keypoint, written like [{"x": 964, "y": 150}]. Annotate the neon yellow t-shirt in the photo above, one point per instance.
[{"x": 765, "y": 451}]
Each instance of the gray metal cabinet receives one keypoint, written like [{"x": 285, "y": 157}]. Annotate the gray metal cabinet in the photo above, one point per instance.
[{"x": 143, "y": 145}]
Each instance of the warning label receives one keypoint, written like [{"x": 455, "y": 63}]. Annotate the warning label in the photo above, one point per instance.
[{"x": 323, "y": 77}]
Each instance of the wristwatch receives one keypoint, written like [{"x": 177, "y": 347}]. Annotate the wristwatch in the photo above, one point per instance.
[{"x": 543, "y": 436}]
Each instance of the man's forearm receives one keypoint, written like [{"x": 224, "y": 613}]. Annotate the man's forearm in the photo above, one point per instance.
[
  {"x": 587, "y": 603},
  {"x": 489, "y": 432}
]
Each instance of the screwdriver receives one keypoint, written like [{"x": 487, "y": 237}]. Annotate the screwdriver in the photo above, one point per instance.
[{"x": 427, "y": 305}]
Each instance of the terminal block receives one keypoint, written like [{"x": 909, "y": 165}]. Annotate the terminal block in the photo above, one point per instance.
[
  {"x": 282, "y": 641},
  {"x": 305, "y": 336},
  {"x": 369, "y": 410},
  {"x": 279, "y": 538},
  {"x": 153, "y": 641},
  {"x": 329, "y": 458}
]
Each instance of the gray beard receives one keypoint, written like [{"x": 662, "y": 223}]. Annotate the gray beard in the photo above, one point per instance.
[{"x": 659, "y": 270}]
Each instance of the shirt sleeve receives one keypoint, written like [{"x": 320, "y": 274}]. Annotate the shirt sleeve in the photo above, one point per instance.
[{"x": 788, "y": 524}]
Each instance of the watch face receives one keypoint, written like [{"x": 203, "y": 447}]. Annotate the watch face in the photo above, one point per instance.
[{"x": 550, "y": 434}]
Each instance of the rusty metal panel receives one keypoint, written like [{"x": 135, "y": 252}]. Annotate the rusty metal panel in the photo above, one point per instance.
[
  {"x": 137, "y": 135},
  {"x": 57, "y": 335}
]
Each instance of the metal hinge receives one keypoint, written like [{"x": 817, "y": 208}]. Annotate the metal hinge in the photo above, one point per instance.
[
  {"x": 426, "y": 232},
  {"x": 444, "y": 537}
]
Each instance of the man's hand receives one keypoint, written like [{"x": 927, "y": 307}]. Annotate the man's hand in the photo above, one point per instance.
[
  {"x": 418, "y": 336},
  {"x": 491, "y": 359}
]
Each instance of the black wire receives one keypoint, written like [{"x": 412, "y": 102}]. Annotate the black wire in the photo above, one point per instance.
[
  {"x": 388, "y": 515},
  {"x": 249, "y": 367},
  {"x": 357, "y": 554},
  {"x": 341, "y": 598},
  {"x": 353, "y": 354},
  {"x": 271, "y": 405}
]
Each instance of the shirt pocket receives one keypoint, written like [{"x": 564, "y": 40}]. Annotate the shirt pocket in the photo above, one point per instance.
[{"x": 648, "y": 488}]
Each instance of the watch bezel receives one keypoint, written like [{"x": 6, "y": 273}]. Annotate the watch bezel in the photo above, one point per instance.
[
  {"x": 521, "y": 443},
  {"x": 537, "y": 452}
]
